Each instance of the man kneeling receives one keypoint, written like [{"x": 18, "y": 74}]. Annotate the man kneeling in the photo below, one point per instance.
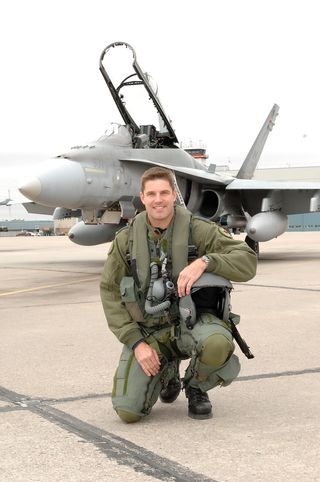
[{"x": 152, "y": 264}]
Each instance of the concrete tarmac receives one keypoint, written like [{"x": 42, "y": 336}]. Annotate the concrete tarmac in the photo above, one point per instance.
[{"x": 57, "y": 360}]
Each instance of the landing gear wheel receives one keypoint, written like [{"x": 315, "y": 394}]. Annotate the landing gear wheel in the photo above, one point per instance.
[{"x": 253, "y": 245}]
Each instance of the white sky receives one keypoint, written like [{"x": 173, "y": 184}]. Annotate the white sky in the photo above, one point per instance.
[{"x": 220, "y": 66}]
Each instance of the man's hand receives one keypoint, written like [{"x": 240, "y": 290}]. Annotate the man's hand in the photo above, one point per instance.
[
  {"x": 148, "y": 359},
  {"x": 189, "y": 275}
]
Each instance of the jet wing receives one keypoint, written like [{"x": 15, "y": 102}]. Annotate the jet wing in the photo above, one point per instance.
[
  {"x": 249, "y": 184},
  {"x": 35, "y": 208},
  {"x": 197, "y": 175},
  {"x": 289, "y": 197}
]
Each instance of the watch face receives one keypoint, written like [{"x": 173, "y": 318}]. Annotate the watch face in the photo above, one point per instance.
[{"x": 205, "y": 259}]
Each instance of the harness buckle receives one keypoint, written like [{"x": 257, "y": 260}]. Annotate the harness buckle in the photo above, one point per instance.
[{"x": 175, "y": 331}]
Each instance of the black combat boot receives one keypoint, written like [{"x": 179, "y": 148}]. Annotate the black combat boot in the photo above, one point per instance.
[
  {"x": 199, "y": 405},
  {"x": 171, "y": 392}
]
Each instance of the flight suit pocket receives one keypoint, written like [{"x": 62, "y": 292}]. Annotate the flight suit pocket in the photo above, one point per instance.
[{"x": 129, "y": 297}]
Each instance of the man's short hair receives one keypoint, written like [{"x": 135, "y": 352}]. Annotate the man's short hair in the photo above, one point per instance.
[{"x": 157, "y": 173}]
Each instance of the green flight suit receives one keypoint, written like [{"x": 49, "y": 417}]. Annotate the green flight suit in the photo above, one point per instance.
[{"x": 209, "y": 344}]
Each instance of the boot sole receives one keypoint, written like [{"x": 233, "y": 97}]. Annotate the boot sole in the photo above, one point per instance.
[
  {"x": 170, "y": 400},
  {"x": 200, "y": 416}
]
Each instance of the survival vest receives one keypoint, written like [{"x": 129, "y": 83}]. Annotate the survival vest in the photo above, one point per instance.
[{"x": 180, "y": 251}]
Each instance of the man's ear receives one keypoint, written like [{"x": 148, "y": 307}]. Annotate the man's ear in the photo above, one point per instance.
[{"x": 142, "y": 197}]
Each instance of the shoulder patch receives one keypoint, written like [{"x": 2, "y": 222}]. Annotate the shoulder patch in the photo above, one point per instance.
[{"x": 224, "y": 232}]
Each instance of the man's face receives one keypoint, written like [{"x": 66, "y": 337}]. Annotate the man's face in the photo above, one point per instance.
[{"x": 158, "y": 199}]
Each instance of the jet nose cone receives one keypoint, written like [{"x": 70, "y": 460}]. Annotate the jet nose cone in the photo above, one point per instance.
[
  {"x": 31, "y": 188},
  {"x": 56, "y": 182}
]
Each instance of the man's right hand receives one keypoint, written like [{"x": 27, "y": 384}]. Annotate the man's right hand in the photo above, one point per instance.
[{"x": 148, "y": 359}]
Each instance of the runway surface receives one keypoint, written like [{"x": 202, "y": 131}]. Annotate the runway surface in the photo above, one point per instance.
[{"x": 57, "y": 360}]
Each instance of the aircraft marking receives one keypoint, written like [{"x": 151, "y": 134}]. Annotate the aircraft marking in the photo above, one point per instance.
[{"x": 93, "y": 169}]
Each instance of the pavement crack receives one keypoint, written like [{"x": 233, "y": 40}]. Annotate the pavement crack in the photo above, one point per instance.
[
  {"x": 77, "y": 398},
  {"x": 290, "y": 288},
  {"x": 22, "y": 402},
  {"x": 288, "y": 373},
  {"x": 114, "y": 447}
]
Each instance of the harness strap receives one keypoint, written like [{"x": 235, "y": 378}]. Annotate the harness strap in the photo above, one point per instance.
[{"x": 177, "y": 245}]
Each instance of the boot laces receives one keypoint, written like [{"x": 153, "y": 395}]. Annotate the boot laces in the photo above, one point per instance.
[{"x": 197, "y": 395}]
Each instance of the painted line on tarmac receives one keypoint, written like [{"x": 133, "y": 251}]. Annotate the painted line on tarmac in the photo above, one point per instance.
[
  {"x": 55, "y": 285},
  {"x": 46, "y": 269},
  {"x": 114, "y": 447}
]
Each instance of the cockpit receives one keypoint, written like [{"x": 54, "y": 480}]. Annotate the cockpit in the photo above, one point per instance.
[{"x": 150, "y": 127}]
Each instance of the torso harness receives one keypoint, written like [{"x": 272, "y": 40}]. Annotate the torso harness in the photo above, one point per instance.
[{"x": 156, "y": 260}]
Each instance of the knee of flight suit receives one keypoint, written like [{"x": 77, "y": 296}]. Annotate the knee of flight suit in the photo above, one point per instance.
[
  {"x": 216, "y": 350},
  {"x": 128, "y": 417}
]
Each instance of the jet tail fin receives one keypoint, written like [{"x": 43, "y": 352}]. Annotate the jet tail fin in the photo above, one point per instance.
[{"x": 249, "y": 165}]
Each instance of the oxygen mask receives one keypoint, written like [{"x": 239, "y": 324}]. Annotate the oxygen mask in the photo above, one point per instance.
[{"x": 160, "y": 291}]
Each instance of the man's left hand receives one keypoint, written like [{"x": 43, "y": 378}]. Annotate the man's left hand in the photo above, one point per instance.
[{"x": 189, "y": 275}]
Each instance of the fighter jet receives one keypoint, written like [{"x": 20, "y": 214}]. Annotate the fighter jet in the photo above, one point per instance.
[
  {"x": 99, "y": 182},
  {"x": 7, "y": 202}
]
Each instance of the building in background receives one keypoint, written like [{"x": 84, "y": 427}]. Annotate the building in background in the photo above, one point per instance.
[{"x": 16, "y": 227}]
